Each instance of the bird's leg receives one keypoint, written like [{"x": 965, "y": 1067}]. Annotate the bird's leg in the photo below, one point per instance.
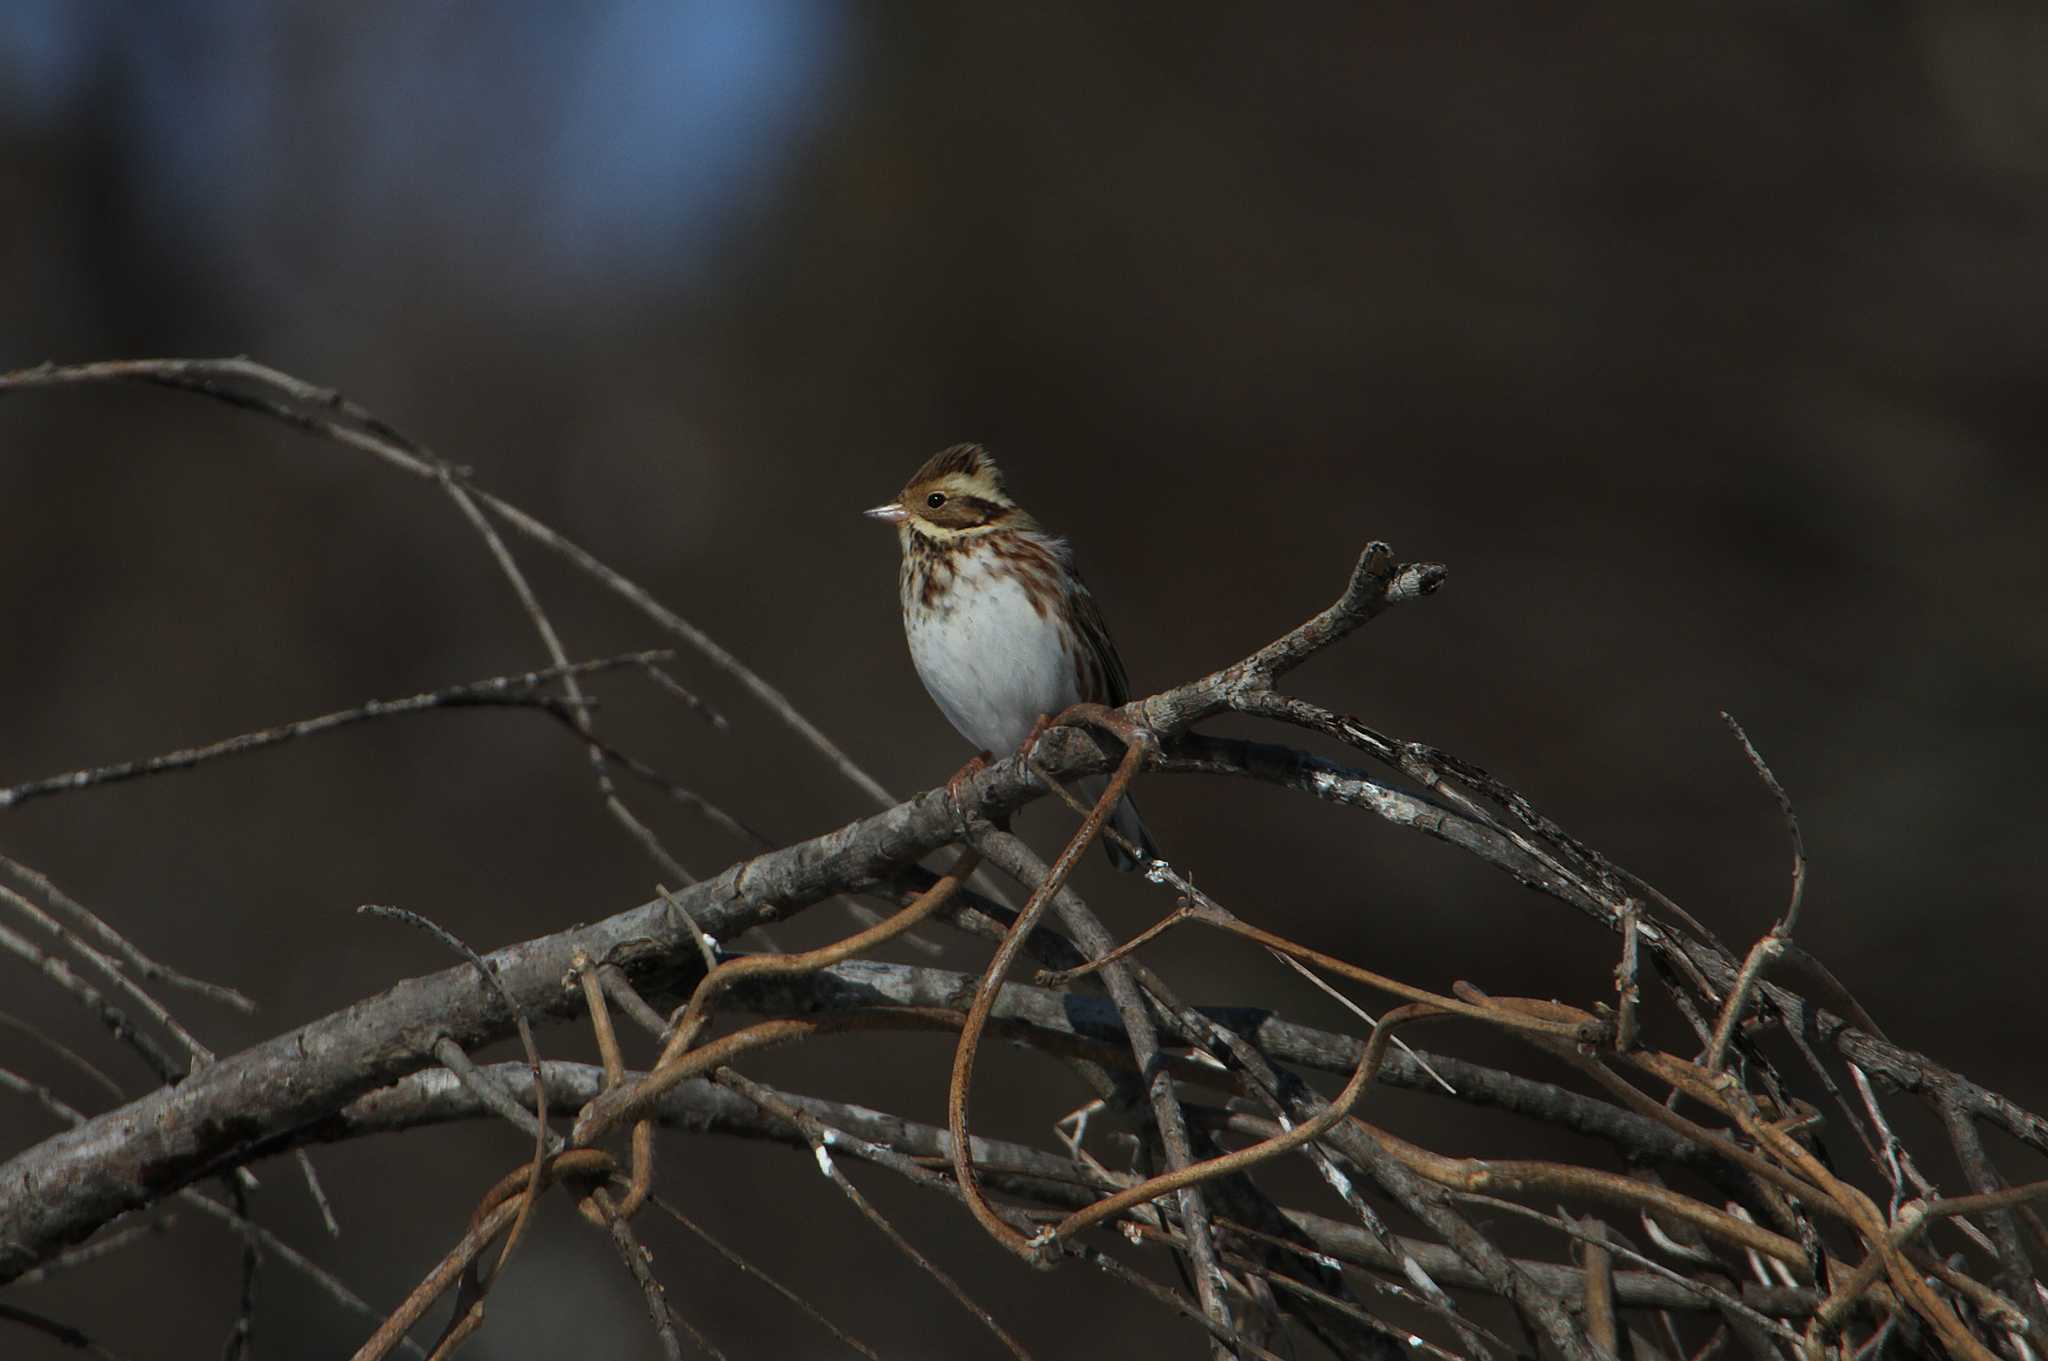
[
  {"x": 1128, "y": 731},
  {"x": 975, "y": 765},
  {"x": 1028, "y": 747},
  {"x": 1086, "y": 715}
]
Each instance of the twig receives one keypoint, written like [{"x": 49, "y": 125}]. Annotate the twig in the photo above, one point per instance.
[
  {"x": 677, "y": 1062},
  {"x": 1377, "y": 583},
  {"x": 1245, "y": 1158},
  {"x": 707, "y": 948},
  {"x": 437, "y": 1281},
  {"x": 1767, "y": 948},
  {"x": 93, "y": 1000},
  {"x": 1774, "y": 942},
  {"x": 452, "y": 482},
  {"x": 1061, "y": 978},
  {"x": 1787, "y": 922},
  {"x": 495, "y": 1095},
  {"x": 100, "y": 1247},
  {"x": 328, "y": 1283},
  {"x": 1196, "y": 905},
  {"x": 327, "y": 1219},
  {"x": 248, "y": 1228},
  {"x": 689, "y": 697},
  {"x": 640, "y": 1184},
  {"x": 1628, "y": 991},
  {"x": 322, "y": 411},
  {"x": 659, "y": 1312},
  {"x": 789, "y": 1296},
  {"x": 64, "y": 1333},
  {"x": 433, "y": 1096},
  {"x": 244, "y": 1325},
  {"x": 821, "y": 1141},
  {"x": 2013, "y": 1273},
  {"x": 1229, "y": 1337},
  {"x": 1598, "y": 1263},
  {"x": 443, "y": 1043},
  {"x": 686, "y": 1105},
  {"x": 1361, "y": 1013},
  {"x": 66, "y": 1053},
  {"x": 1017, "y": 860},
  {"x": 90, "y": 922},
  {"x": 523, "y": 690},
  {"x": 1394, "y": 1342},
  {"x": 110, "y": 970},
  {"x": 1693, "y": 1288},
  {"x": 959, "y": 1088}
]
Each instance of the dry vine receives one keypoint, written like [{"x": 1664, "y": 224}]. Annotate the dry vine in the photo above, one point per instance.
[{"x": 1707, "y": 1214}]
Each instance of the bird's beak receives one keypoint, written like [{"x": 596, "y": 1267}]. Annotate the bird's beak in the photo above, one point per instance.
[{"x": 891, "y": 514}]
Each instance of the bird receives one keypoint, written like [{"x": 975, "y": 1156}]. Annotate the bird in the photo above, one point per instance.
[{"x": 1002, "y": 630}]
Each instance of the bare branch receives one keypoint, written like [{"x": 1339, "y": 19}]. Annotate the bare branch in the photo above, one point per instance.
[
  {"x": 1763, "y": 770},
  {"x": 257, "y": 387},
  {"x": 523, "y": 690},
  {"x": 92, "y": 924}
]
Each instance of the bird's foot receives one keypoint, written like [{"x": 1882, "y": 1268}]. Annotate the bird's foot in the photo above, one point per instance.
[
  {"x": 1028, "y": 748},
  {"x": 975, "y": 765}
]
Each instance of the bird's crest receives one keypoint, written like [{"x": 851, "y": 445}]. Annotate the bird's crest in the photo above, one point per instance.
[{"x": 973, "y": 464}]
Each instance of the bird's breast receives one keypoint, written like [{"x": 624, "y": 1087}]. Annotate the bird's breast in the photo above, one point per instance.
[{"x": 991, "y": 646}]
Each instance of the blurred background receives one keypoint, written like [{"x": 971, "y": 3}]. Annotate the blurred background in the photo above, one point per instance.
[{"x": 1703, "y": 343}]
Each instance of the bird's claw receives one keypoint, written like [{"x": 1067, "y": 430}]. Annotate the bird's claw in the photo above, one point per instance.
[
  {"x": 1028, "y": 748},
  {"x": 975, "y": 765}
]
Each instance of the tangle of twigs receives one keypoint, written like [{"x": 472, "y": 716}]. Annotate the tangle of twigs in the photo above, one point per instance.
[{"x": 1705, "y": 1206}]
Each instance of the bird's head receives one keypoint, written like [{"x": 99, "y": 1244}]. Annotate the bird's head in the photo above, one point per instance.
[{"x": 958, "y": 493}]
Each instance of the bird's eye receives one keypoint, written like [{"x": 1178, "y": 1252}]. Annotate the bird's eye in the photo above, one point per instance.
[{"x": 935, "y": 500}]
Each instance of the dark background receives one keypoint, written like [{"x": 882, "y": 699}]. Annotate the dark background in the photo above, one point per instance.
[{"x": 1702, "y": 342}]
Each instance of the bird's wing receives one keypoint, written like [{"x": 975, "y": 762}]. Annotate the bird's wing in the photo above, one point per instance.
[{"x": 1106, "y": 666}]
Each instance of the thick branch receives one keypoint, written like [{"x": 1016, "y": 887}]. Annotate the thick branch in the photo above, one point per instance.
[
  {"x": 701, "y": 1106},
  {"x": 64, "y": 1188}
]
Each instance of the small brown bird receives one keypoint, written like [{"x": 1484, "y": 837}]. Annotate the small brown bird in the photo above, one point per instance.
[{"x": 1001, "y": 628}]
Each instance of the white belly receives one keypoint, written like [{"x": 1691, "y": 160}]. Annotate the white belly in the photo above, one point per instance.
[{"x": 991, "y": 663}]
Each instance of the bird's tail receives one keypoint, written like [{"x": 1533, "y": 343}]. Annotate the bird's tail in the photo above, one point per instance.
[{"x": 1126, "y": 820}]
